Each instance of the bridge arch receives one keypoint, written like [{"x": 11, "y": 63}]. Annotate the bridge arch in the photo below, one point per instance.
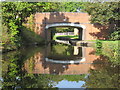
[
  {"x": 66, "y": 61},
  {"x": 67, "y": 25},
  {"x": 46, "y": 20}
]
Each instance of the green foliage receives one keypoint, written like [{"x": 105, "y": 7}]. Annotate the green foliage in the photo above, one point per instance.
[
  {"x": 12, "y": 69},
  {"x": 109, "y": 49},
  {"x": 27, "y": 33},
  {"x": 98, "y": 47},
  {"x": 74, "y": 77},
  {"x": 15, "y": 69},
  {"x": 106, "y": 14},
  {"x": 5, "y": 35},
  {"x": 106, "y": 77},
  {"x": 98, "y": 44},
  {"x": 62, "y": 29},
  {"x": 113, "y": 48},
  {"x": 30, "y": 37},
  {"x": 115, "y": 35},
  {"x": 61, "y": 51},
  {"x": 103, "y": 13},
  {"x": 71, "y": 6},
  {"x": 15, "y": 13},
  {"x": 60, "y": 48},
  {"x": 31, "y": 64},
  {"x": 7, "y": 39},
  {"x": 69, "y": 36},
  {"x": 30, "y": 21}
]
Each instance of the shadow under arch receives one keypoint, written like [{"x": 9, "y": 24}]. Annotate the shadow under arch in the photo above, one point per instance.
[{"x": 75, "y": 25}]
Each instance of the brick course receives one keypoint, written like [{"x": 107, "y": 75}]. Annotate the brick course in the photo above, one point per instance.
[{"x": 91, "y": 32}]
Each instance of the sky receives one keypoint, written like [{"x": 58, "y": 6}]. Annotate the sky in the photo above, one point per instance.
[{"x": 70, "y": 84}]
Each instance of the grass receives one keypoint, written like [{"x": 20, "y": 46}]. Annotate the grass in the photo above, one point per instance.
[
  {"x": 69, "y": 36},
  {"x": 64, "y": 77},
  {"x": 109, "y": 44},
  {"x": 111, "y": 49}
]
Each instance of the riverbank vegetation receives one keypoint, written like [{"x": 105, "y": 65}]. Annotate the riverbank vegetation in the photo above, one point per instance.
[
  {"x": 15, "y": 15},
  {"x": 30, "y": 37},
  {"x": 66, "y": 36},
  {"x": 108, "y": 72},
  {"x": 103, "y": 77},
  {"x": 19, "y": 65},
  {"x": 109, "y": 49},
  {"x": 65, "y": 32},
  {"x": 107, "y": 15},
  {"x": 15, "y": 34},
  {"x": 15, "y": 72}
]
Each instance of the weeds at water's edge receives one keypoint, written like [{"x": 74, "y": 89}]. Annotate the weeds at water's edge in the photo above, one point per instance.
[
  {"x": 98, "y": 47},
  {"x": 110, "y": 49}
]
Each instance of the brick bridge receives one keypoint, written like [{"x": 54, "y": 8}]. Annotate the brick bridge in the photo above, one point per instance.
[
  {"x": 47, "y": 67},
  {"x": 81, "y": 21}
]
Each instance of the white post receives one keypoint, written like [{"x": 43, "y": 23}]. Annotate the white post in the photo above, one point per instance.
[
  {"x": 76, "y": 50},
  {"x": 83, "y": 34},
  {"x": 76, "y": 31}
]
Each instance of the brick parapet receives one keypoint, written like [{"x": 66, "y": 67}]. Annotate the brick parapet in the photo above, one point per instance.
[{"x": 91, "y": 32}]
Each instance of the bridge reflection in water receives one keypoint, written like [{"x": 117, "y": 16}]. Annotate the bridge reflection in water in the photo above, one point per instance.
[{"x": 62, "y": 60}]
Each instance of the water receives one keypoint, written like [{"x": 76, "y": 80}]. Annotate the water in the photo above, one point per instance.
[{"x": 58, "y": 66}]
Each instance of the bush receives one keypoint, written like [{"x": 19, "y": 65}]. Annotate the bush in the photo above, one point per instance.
[
  {"x": 98, "y": 47},
  {"x": 30, "y": 37},
  {"x": 5, "y": 36},
  {"x": 111, "y": 49},
  {"x": 115, "y": 35},
  {"x": 7, "y": 43}
]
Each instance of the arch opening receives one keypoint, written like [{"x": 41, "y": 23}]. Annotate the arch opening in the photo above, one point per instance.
[
  {"x": 78, "y": 29},
  {"x": 65, "y": 24}
]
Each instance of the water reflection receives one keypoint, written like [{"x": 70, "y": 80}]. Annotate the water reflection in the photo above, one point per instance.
[
  {"x": 105, "y": 77},
  {"x": 70, "y": 84},
  {"x": 28, "y": 68},
  {"x": 60, "y": 59}
]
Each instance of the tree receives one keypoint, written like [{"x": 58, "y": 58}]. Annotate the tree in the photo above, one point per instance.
[
  {"x": 106, "y": 77},
  {"x": 103, "y": 13},
  {"x": 71, "y": 6},
  {"x": 107, "y": 13},
  {"x": 15, "y": 13}
]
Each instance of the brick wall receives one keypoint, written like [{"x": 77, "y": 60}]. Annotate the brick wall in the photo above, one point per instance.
[
  {"x": 43, "y": 67},
  {"x": 92, "y": 31}
]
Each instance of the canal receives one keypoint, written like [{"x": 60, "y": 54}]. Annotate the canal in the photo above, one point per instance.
[{"x": 58, "y": 66}]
